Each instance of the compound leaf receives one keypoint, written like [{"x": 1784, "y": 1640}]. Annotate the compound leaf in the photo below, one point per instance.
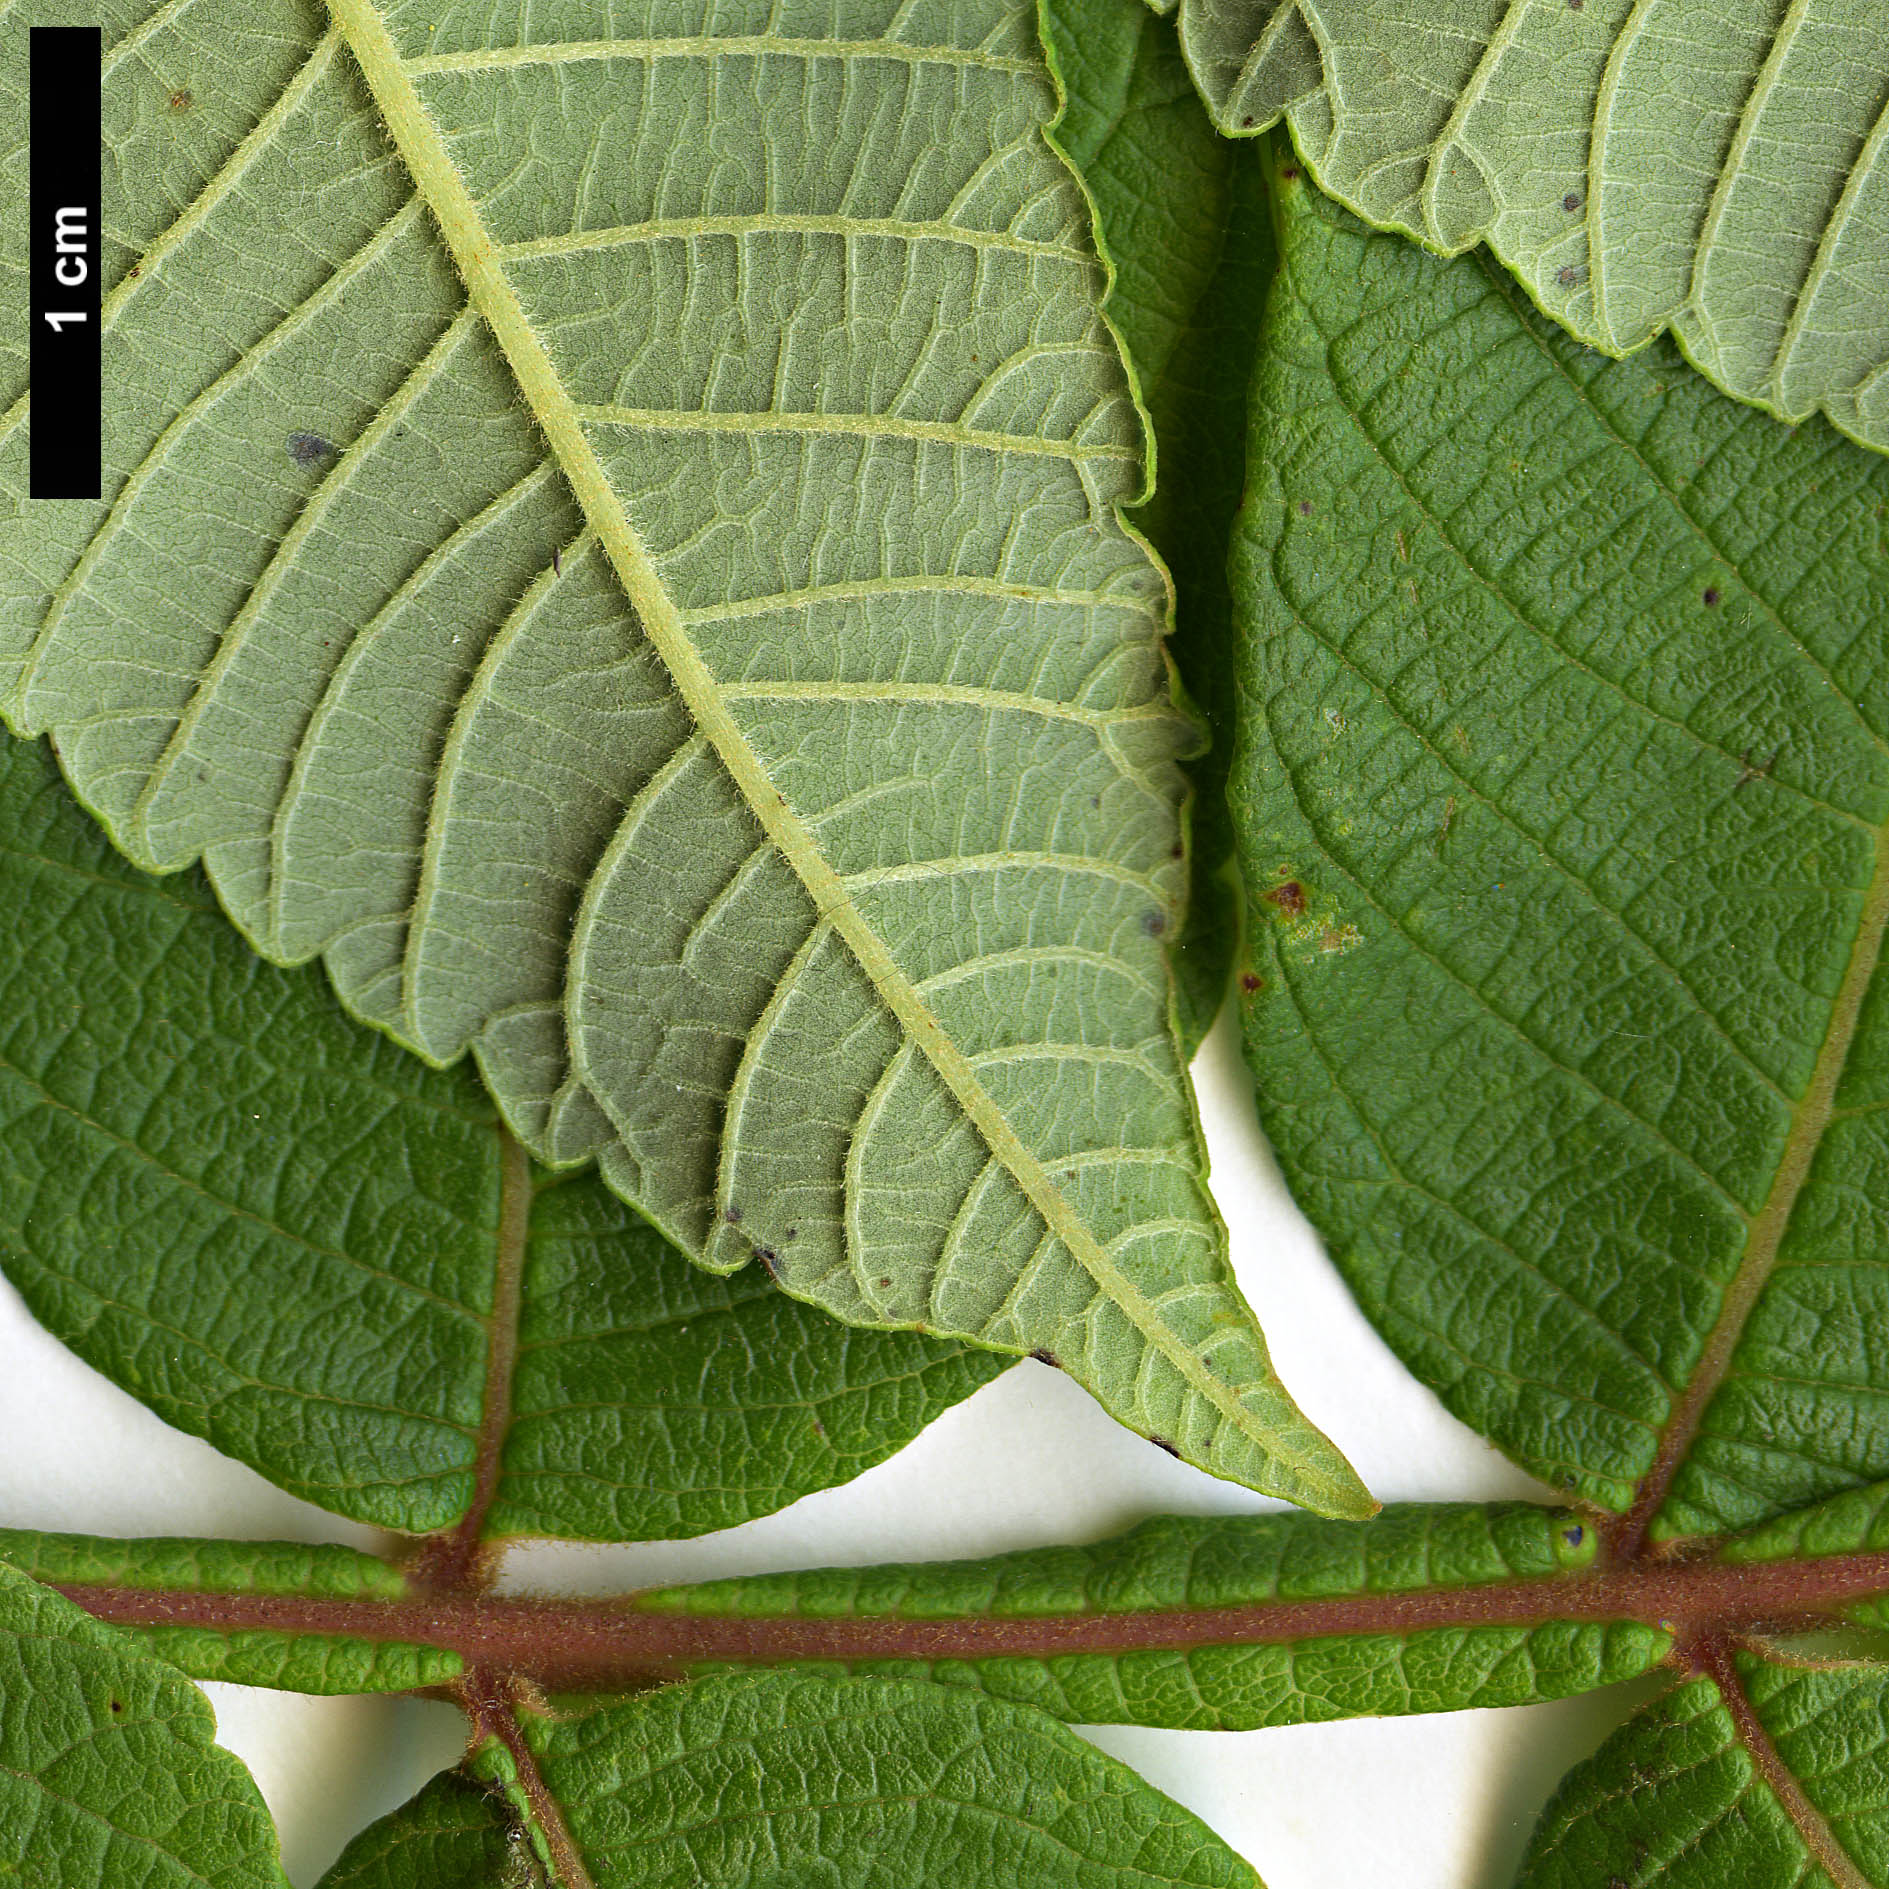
[
  {"x": 1242, "y": 1670},
  {"x": 107, "y": 1768},
  {"x": 293, "y": 1240},
  {"x": 1562, "y": 798},
  {"x": 1641, "y": 165},
  {"x": 641, "y": 593}
]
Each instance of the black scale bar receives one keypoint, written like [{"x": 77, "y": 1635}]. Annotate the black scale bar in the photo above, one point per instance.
[{"x": 63, "y": 216}]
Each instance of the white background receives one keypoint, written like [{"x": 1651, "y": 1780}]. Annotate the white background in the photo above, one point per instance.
[{"x": 1442, "y": 1802}]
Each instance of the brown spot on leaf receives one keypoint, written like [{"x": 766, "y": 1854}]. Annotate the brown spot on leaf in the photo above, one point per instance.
[
  {"x": 1572, "y": 201},
  {"x": 1305, "y": 508},
  {"x": 1288, "y": 898},
  {"x": 1250, "y": 981},
  {"x": 1049, "y": 1358},
  {"x": 1711, "y": 595},
  {"x": 309, "y": 449},
  {"x": 733, "y": 1216},
  {"x": 1155, "y": 924},
  {"x": 182, "y": 99},
  {"x": 1161, "y": 1443},
  {"x": 1289, "y": 173}
]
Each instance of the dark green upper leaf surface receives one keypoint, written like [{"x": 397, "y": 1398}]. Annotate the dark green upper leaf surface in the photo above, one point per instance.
[
  {"x": 283, "y": 1234},
  {"x": 1773, "y": 1776},
  {"x": 1181, "y": 216},
  {"x": 456, "y": 1834},
  {"x": 1561, "y": 792},
  {"x": 1177, "y": 1564},
  {"x": 791, "y": 1781},
  {"x": 108, "y": 1776}
]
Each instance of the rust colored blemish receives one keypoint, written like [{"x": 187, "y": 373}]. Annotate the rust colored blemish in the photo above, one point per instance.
[
  {"x": 182, "y": 99},
  {"x": 1161, "y": 1443},
  {"x": 771, "y": 1260},
  {"x": 1049, "y": 1358},
  {"x": 1289, "y": 174},
  {"x": 1250, "y": 981},
  {"x": 1572, "y": 201},
  {"x": 1288, "y": 898},
  {"x": 1711, "y": 595}
]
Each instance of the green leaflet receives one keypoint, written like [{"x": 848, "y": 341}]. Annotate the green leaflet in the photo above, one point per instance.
[
  {"x": 1185, "y": 1564},
  {"x": 1774, "y": 1776},
  {"x": 1182, "y": 217},
  {"x": 1562, "y": 799},
  {"x": 107, "y": 1770},
  {"x": 689, "y": 656},
  {"x": 1640, "y": 164},
  {"x": 762, "y": 1781},
  {"x": 455, "y": 1835},
  {"x": 285, "y": 1236}
]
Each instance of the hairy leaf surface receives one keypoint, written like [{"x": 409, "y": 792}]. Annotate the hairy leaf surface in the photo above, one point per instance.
[
  {"x": 1641, "y": 165},
  {"x": 107, "y": 1770},
  {"x": 640, "y": 591},
  {"x": 292, "y": 1240},
  {"x": 1185, "y": 1565},
  {"x": 784, "y": 1778},
  {"x": 1563, "y": 794},
  {"x": 317, "y": 1663}
]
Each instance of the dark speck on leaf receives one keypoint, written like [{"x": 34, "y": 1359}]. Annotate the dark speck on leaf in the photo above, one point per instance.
[
  {"x": 1155, "y": 924},
  {"x": 1574, "y": 1535},
  {"x": 1572, "y": 201},
  {"x": 1251, "y": 981},
  {"x": 1711, "y": 595},
  {"x": 1161, "y": 1443},
  {"x": 733, "y": 1216},
  {"x": 309, "y": 449},
  {"x": 1305, "y": 508},
  {"x": 1178, "y": 850},
  {"x": 118, "y": 1705},
  {"x": 181, "y": 99},
  {"x": 1290, "y": 174},
  {"x": 792, "y": 1233},
  {"x": 1289, "y": 898},
  {"x": 885, "y": 1285},
  {"x": 770, "y": 1259},
  {"x": 1046, "y": 1357}
]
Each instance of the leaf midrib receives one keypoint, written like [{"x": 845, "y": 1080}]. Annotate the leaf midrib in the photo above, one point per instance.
[
  {"x": 1810, "y": 1119},
  {"x": 473, "y": 252}
]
